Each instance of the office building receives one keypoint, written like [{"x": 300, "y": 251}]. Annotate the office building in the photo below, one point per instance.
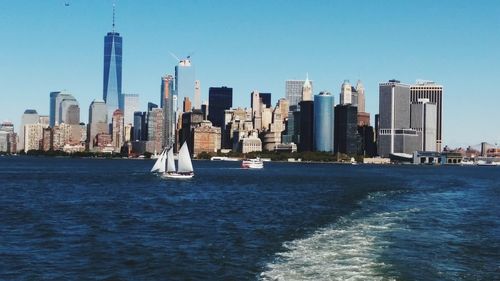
[
  {"x": 140, "y": 130},
  {"x": 112, "y": 75},
  {"x": 265, "y": 99},
  {"x": 168, "y": 100},
  {"x": 346, "y": 138},
  {"x": 98, "y": 122},
  {"x": 294, "y": 91},
  {"x": 219, "y": 99},
  {"x": 434, "y": 93},
  {"x": 190, "y": 121},
  {"x": 256, "y": 103},
  {"x": 346, "y": 93},
  {"x": 155, "y": 128},
  {"x": 60, "y": 112},
  {"x": 367, "y": 138},
  {"x": 395, "y": 135},
  {"x": 323, "y": 122},
  {"x": 130, "y": 104},
  {"x": 423, "y": 119},
  {"x": 186, "y": 105},
  {"x": 117, "y": 133},
  {"x": 8, "y": 143},
  {"x": 306, "y": 138},
  {"x": 30, "y": 116},
  {"x": 197, "y": 95},
  {"x": 206, "y": 138},
  {"x": 184, "y": 79}
]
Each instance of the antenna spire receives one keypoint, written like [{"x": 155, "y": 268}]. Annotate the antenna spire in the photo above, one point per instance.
[{"x": 113, "y": 16}]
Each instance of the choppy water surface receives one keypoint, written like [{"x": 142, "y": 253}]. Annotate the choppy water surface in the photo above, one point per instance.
[{"x": 112, "y": 220}]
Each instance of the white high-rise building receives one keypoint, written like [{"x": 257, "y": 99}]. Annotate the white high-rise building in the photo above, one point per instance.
[
  {"x": 434, "y": 93},
  {"x": 293, "y": 91},
  {"x": 197, "y": 95},
  {"x": 307, "y": 90},
  {"x": 130, "y": 104},
  {"x": 360, "y": 88},
  {"x": 346, "y": 93}
]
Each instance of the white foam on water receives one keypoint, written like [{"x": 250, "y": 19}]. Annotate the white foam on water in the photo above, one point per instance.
[{"x": 350, "y": 249}]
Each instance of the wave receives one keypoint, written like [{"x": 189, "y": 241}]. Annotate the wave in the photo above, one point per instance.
[{"x": 350, "y": 249}]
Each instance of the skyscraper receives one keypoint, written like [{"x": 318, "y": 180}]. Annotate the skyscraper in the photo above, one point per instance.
[
  {"x": 306, "y": 135},
  {"x": 118, "y": 135},
  {"x": 60, "y": 102},
  {"x": 130, "y": 104},
  {"x": 168, "y": 100},
  {"x": 197, "y": 95},
  {"x": 434, "y": 93},
  {"x": 363, "y": 116},
  {"x": 184, "y": 79},
  {"x": 307, "y": 90},
  {"x": 219, "y": 99},
  {"x": 323, "y": 122},
  {"x": 346, "y": 93},
  {"x": 346, "y": 138},
  {"x": 98, "y": 121},
  {"x": 293, "y": 91},
  {"x": 395, "y": 134},
  {"x": 256, "y": 103},
  {"x": 112, "y": 76},
  {"x": 30, "y": 116}
]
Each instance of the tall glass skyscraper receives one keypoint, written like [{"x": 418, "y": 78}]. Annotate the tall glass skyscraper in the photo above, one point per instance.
[
  {"x": 112, "y": 76},
  {"x": 184, "y": 80},
  {"x": 168, "y": 101},
  {"x": 323, "y": 122}
]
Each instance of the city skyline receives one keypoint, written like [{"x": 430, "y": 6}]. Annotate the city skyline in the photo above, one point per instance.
[{"x": 425, "y": 45}]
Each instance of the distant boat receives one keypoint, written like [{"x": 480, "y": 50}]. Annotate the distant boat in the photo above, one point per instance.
[
  {"x": 155, "y": 155},
  {"x": 185, "y": 170},
  {"x": 255, "y": 163},
  {"x": 222, "y": 158}
]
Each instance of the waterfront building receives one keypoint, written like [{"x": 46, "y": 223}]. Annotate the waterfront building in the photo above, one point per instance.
[
  {"x": 140, "y": 130},
  {"x": 30, "y": 116},
  {"x": 33, "y": 134},
  {"x": 434, "y": 93},
  {"x": 98, "y": 122},
  {"x": 60, "y": 104},
  {"x": 368, "y": 142},
  {"x": 251, "y": 143},
  {"x": 129, "y": 105},
  {"x": 219, "y": 99},
  {"x": 206, "y": 138},
  {"x": 306, "y": 136},
  {"x": 323, "y": 122},
  {"x": 184, "y": 79},
  {"x": 346, "y": 138},
  {"x": 190, "y": 121},
  {"x": 155, "y": 128},
  {"x": 7, "y": 137},
  {"x": 423, "y": 119},
  {"x": 112, "y": 74},
  {"x": 394, "y": 133},
  {"x": 168, "y": 101},
  {"x": 256, "y": 103},
  {"x": 118, "y": 130}
]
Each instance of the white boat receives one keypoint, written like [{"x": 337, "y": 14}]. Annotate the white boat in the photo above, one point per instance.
[
  {"x": 255, "y": 163},
  {"x": 185, "y": 169},
  {"x": 159, "y": 166}
]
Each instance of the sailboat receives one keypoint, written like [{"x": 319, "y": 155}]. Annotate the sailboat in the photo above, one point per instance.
[
  {"x": 159, "y": 166},
  {"x": 185, "y": 169}
]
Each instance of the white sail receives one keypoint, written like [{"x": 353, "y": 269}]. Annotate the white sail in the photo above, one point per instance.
[
  {"x": 163, "y": 159},
  {"x": 157, "y": 164},
  {"x": 170, "y": 161},
  {"x": 185, "y": 165}
]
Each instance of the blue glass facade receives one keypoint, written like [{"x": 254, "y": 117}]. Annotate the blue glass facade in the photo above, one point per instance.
[
  {"x": 184, "y": 80},
  {"x": 323, "y": 122},
  {"x": 112, "y": 77}
]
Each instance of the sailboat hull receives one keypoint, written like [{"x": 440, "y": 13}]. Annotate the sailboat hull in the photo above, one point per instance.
[{"x": 177, "y": 176}]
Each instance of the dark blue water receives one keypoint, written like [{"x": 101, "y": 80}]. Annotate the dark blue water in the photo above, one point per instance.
[{"x": 91, "y": 219}]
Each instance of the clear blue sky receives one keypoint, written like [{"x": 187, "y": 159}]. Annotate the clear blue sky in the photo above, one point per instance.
[{"x": 258, "y": 44}]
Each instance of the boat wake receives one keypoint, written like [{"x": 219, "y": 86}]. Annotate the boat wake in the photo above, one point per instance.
[{"x": 350, "y": 249}]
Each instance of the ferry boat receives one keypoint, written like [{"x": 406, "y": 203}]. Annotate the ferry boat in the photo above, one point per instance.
[{"x": 255, "y": 163}]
